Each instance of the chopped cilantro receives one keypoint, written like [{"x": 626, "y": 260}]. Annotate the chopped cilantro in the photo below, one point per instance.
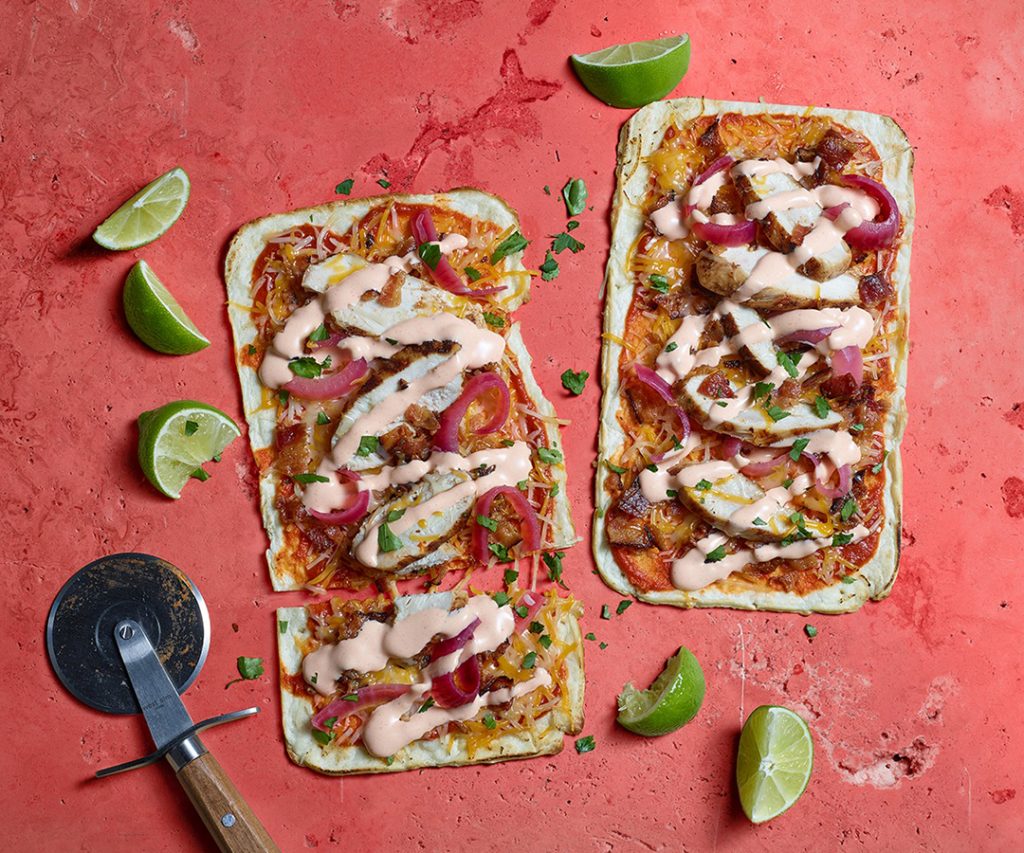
[
  {"x": 547, "y": 190},
  {"x": 430, "y": 254},
  {"x": 671, "y": 346},
  {"x": 549, "y": 455},
  {"x": 857, "y": 428},
  {"x": 787, "y": 482},
  {"x": 386, "y": 540},
  {"x": 810, "y": 631},
  {"x": 849, "y": 508},
  {"x": 759, "y": 522},
  {"x": 321, "y": 737},
  {"x": 762, "y": 389},
  {"x": 715, "y": 555},
  {"x": 575, "y": 194},
  {"x": 507, "y": 442},
  {"x": 393, "y": 515},
  {"x": 536, "y": 628},
  {"x": 489, "y": 721},
  {"x": 585, "y": 744},
  {"x": 472, "y": 273},
  {"x": 282, "y": 626},
  {"x": 571, "y": 225},
  {"x": 322, "y": 419},
  {"x": 623, "y": 606},
  {"x": 841, "y": 539},
  {"x": 563, "y": 241},
  {"x": 603, "y": 646},
  {"x": 282, "y": 397},
  {"x": 319, "y": 333},
  {"x": 798, "y": 447},
  {"x": 500, "y": 598},
  {"x": 553, "y": 561},
  {"x": 821, "y": 407},
  {"x": 703, "y": 485},
  {"x": 521, "y": 610},
  {"x": 847, "y": 578},
  {"x": 529, "y": 660},
  {"x": 514, "y": 242},
  {"x": 249, "y": 668},
  {"x": 191, "y": 427},
  {"x": 523, "y": 485},
  {"x": 252, "y": 349},
  {"x": 486, "y": 521},
  {"x": 383, "y": 183},
  {"x": 650, "y": 466},
  {"x": 511, "y": 575},
  {"x": 545, "y": 641},
  {"x": 574, "y": 382},
  {"x": 555, "y": 489},
  {"x": 345, "y": 187},
  {"x": 671, "y": 493},
  {"x": 789, "y": 361},
  {"x": 426, "y": 706},
  {"x": 500, "y": 551},
  {"x": 589, "y": 636},
  {"x": 367, "y": 444},
  {"x": 351, "y": 697},
  {"x": 877, "y": 467},
  {"x": 658, "y": 282},
  {"x": 549, "y": 269},
  {"x": 495, "y": 320},
  {"x": 615, "y": 469},
  {"x": 309, "y": 478},
  {"x": 776, "y": 414},
  {"x": 606, "y": 612},
  {"x": 308, "y": 367},
  {"x": 200, "y": 475}
]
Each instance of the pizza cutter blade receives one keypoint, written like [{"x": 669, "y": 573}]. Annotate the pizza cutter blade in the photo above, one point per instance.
[{"x": 129, "y": 633}]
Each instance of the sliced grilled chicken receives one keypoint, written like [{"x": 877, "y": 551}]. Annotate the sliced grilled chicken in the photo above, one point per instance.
[
  {"x": 725, "y": 271},
  {"x": 831, "y": 264},
  {"x": 726, "y": 505},
  {"x": 761, "y": 354},
  {"x": 396, "y": 373},
  {"x": 424, "y": 537},
  {"x": 753, "y": 424},
  {"x": 417, "y": 298},
  {"x": 784, "y": 229},
  {"x": 407, "y": 605}
]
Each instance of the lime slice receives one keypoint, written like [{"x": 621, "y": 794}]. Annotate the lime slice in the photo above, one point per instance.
[
  {"x": 147, "y": 214},
  {"x": 156, "y": 317},
  {"x": 670, "y": 702},
  {"x": 631, "y": 75},
  {"x": 176, "y": 439},
  {"x": 774, "y": 762}
]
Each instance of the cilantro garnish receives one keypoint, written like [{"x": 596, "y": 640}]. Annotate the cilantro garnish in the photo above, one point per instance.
[
  {"x": 248, "y": 668},
  {"x": 821, "y": 407},
  {"x": 776, "y": 414},
  {"x": 789, "y": 361},
  {"x": 345, "y": 187},
  {"x": 511, "y": 575},
  {"x": 529, "y": 660},
  {"x": 500, "y": 551},
  {"x": 703, "y": 485},
  {"x": 549, "y": 269},
  {"x": 545, "y": 641},
  {"x": 485, "y": 521},
  {"x": 549, "y": 455},
  {"x": 383, "y": 183},
  {"x": 472, "y": 273},
  {"x": 495, "y": 320},
  {"x": 606, "y": 612},
  {"x": 308, "y": 367},
  {"x": 615, "y": 469},
  {"x": 514, "y": 242},
  {"x": 322, "y": 419},
  {"x": 489, "y": 720},
  {"x": 798, "y": 447},
  {"x": 563, "y": 241},
  {"x": 574, "y": 382},
  {"x": 623, "y": 606},
  {"x": 191, "y": 427},
  {"x": 658, "y": 282},
  {"x": 309, "y": 478},
  {"x": 430, "y": 254},
  {"x": 849, "y": 508},
  {"x": 500, "y": 598},
  {"x": 553, "y": 561},
  {"x": 715, "y": 555},
  {"x": 536, "y": 628},
  {"x": 367, "y": 444},
  {"x": 762, "y": 389},
  {"x": 393, "y": 515},
  {"x": 810, "y": 631},
  {"x": 877, "y": 467},
  {"x": 319, "y": 333},
  {"x": 585, "y": 744},
  {"x": 671, "y": 346},
  {"x": 575, "y": 194},
  {"x": 426, "y": 706},
  {"x": 386, "y": 540},
  {"x": 282, "y": 626},
  {"x": 841, "y": 539}
]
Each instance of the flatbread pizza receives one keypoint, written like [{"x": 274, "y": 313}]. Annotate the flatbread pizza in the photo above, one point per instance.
[
  {"x": 389, "y": 396},
  {"x": 754, "y": 357},
  {"x": 430, "y": 680}
]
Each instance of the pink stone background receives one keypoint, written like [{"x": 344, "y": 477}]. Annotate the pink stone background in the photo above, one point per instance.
[{"x": 914, "y": 702}]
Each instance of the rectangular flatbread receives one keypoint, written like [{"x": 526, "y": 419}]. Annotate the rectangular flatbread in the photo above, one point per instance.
[
  {"x": 387, "y": 389},
  {"x": 755, "y": 357},
  {"x": 366, "y": 685}
]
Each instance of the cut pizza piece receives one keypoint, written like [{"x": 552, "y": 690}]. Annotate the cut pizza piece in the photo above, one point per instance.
[
  {"x": 388, "y": 390},
  {"x": 753, "y": 409},
  {"x": 431, "y": 680}
]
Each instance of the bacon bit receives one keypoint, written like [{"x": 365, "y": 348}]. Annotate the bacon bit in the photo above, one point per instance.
[
  {"x": 838, "y": 386},
  {"x": 874, "y": 289},
  {"x": 391, "y": 295},
  {"x": 625, "y": 530},
  {"x": 509, "y": 523},
  {"x": 710, "y": 139},
  {"x": 633, "y": 501},
  {"x": 788, "y": 393},
  {"x": 716, "y": 386},
  {"x": 405, "y": 444},
  {"x": 421, "y": 417},
  {"x": 835, "y": 150}
]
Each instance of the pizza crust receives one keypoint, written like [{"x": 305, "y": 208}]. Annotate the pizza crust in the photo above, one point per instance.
[
  {"x": 339, "y": 216},
  {"x": 546, "y": 738},
  {"x": 641, "y": 135}
]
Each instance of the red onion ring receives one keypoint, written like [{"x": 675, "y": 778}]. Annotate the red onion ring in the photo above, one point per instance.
[
  {"x": 841, "y": 488},
  {"x": 453, "y": 644},
  {"x": 454, "y": 689},
  {"x": 353, "y": 512},
  {"x": 332, "y": 340},
  {"x": 447, "y": 437},
  {"x": 716, "y": 167},
  {"x": 331, "y": 386},
  {"x": 807, "y": 336},
  {"x": 738, "y": 234},
  {"x": 444, "y": 274},
  {"x": 660, "y": 387},
  {"x": 532, "y": 603},
  {"x": 529, "y": 523},
  {"x": 762, "y": 469},
  {"x": 849, "y": 362},
  {"x": 881, "y": 231},
  {"x": 727, "y": 448},
  {"x": 375, "y": 694}
]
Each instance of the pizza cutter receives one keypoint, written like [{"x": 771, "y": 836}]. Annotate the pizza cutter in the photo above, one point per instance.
[{"x": 127, "y": 634}]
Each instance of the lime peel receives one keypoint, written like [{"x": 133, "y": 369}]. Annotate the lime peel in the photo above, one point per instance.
[
  {"x": 155, "y": 315},
  {"x": 634, "y": 74},
  {"x": 774, "y": 762},
  {"x": 672, "y": 700},
  {"x": 147, "y": 214}
]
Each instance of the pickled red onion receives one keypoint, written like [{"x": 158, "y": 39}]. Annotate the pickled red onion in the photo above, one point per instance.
[
  {"x": 454, "y": 689},
  {"x": 881, "y": 231},
  {"x": 355, "y": 511},
  {"x": 807, "y": 336},
  {"x": 727, "y": 448},
  {"x": 368, "y": 697},
  {"x": 532, "y": 603},
  {"x": 761, "y": 469},
  {"x": 331, "y": 386},
  {"x": 443, "y": 273},
  {"x": 660, "y": 387},
  {"x": 453, "y": 644},
  {"x": 841, "y": 488},
  {"x": 447, "y": 437},
  {"x": 529, "y": 523},
  {"x": 849, "y": 362},
  {"x": 738, "y": 234}
]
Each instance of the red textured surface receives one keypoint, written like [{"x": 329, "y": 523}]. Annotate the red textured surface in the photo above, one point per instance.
[{"x": 914, "y": 702}]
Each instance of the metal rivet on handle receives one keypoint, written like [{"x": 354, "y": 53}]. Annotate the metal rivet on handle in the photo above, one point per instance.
[
  {"x": 228, "y": 820},
  {"x": 126, "y": 632}
]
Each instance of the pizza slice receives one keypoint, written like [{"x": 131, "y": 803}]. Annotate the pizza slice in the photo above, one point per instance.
[
  {"x": 755, "y": 357},
  {"x": 429, "y": 680},
  {"x": 392, "y": 410}
]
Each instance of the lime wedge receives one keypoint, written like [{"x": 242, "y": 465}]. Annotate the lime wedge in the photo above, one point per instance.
[
  {"x": 156, "y": 317},
  {"x": 147, "y": 214},
  {"x": 670, "y": 702},
  {"x": 176, "y": 439},
  {"x": 631, "y": 75},
  {"x": 774, "y": 762}
]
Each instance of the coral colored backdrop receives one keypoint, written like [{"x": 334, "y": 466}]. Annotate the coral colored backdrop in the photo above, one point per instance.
[{"x": 914, "y": 702}]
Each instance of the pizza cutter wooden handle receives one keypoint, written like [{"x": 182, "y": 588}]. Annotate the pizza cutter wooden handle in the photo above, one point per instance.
[{"x": 227, "y": 816}]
